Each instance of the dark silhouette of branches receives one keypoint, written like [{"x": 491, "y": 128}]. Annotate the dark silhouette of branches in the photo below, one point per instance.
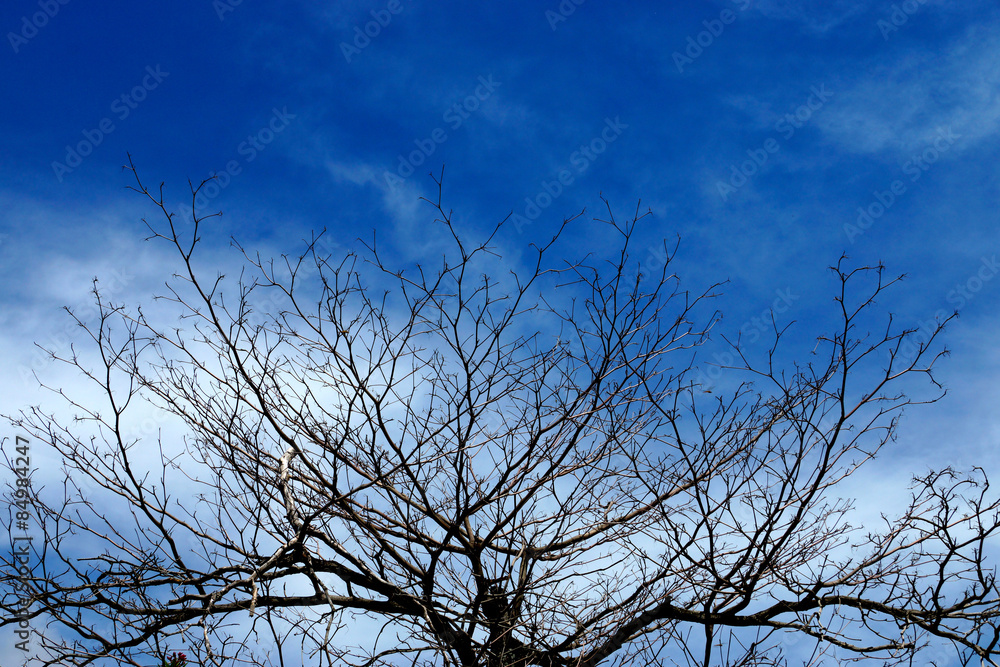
[{"x": 425, "y": 457}]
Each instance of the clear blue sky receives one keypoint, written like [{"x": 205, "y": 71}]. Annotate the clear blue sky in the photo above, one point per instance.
[{"x": 771, "y": 135}]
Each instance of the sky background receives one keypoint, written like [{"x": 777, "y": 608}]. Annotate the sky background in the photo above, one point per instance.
[{"x": 771, "y": 136}]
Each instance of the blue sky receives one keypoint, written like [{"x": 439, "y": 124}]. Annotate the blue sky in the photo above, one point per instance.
[
  {"x": 768, "y": 135},
  {"x": 771, "y": 136}
]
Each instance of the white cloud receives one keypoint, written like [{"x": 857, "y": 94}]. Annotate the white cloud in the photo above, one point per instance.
[
  {"x": 358, "y": 174},
  {"x": 895, "y": 107},
  {"x": 815, "y": 15}
]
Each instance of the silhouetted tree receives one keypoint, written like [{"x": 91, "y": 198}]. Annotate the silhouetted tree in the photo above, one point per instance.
[{"x": 426, "y": 457}]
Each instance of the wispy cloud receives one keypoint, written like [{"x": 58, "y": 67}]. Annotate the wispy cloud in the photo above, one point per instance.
[
  {"x": 817, "y": 16},
  {"x": 892, "y": 105}
]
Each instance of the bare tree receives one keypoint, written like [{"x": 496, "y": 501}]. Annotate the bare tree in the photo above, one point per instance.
[{"x": 427, "y": 459}]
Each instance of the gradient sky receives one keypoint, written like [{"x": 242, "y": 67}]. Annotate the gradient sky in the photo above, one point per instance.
[{"x": 772, "y": 136}]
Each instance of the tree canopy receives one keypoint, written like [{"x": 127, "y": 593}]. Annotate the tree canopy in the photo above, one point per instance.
[{"x": 509, "y": 469}]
